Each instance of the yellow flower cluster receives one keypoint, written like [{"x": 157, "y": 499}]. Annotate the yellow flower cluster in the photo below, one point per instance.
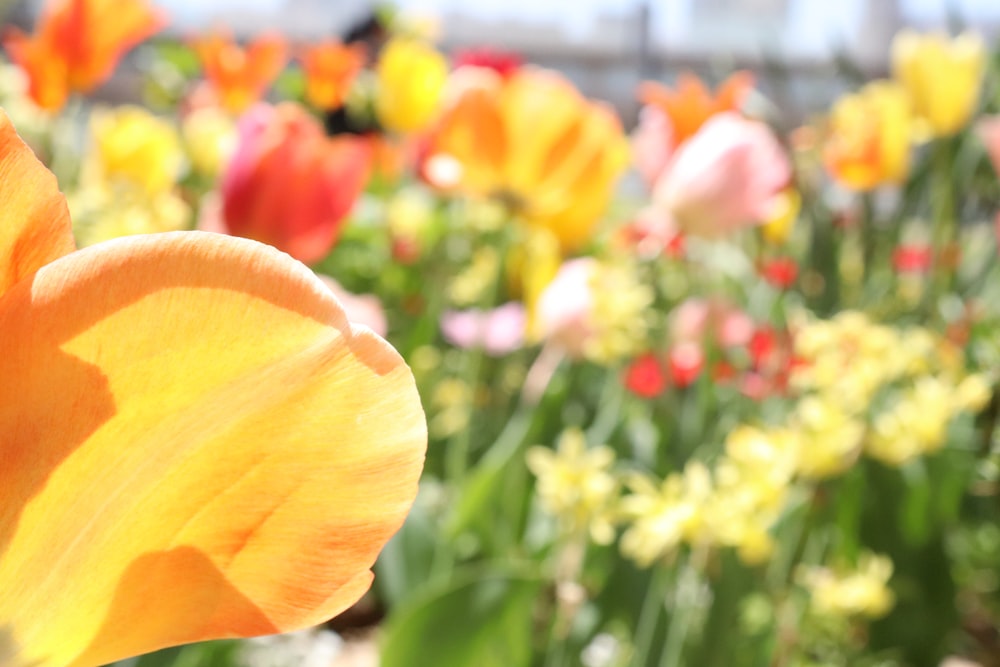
[
  {"x": 890, "y": 392},
  {"x": 619, "y": 305},
  {"x": 576, "y": 484},
  {"x": 859, "y": 592},
  {"x": 867, "y": 388}
]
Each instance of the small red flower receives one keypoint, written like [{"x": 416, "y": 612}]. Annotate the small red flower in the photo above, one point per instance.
[
  {"x": 503, "y": 63},
  {"x": 780, "y": 272},
  {"x": 685, "y": 361},
  {"x": 913, "y": 258},
  {"x": 761, "y": 346},
  {"x": 646, "y": 377}
]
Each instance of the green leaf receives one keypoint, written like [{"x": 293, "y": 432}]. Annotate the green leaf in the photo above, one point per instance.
[{"x": 483, "y": 619}]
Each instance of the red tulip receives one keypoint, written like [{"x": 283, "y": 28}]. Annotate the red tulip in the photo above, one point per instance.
[{"x": 290, "y": 185}]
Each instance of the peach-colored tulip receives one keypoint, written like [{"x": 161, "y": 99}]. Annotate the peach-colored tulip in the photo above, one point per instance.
[
  {"x": 290, "y": 185},
  {"x": 728, "y": 175}
]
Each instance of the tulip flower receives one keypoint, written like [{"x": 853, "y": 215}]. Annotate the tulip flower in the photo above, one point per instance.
[
  {"x": 532, "y": 141},
  {"x": 942, "y": 76},
  {"x": 669, "y": 117},
  {"x": 290, "y": 185},
  {"x": 730, "y": 174},
  {"x": 330, "y": 69},
  {"x": 77, "y": 45},
  {"x": 869, "y": 138},
  {"x": 411, "y": 77},
  {"x": 239, "y": 75},
  {"x": 197, "y": 443}
]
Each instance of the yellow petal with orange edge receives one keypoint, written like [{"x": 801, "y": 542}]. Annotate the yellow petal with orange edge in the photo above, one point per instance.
[
  {"x": 197, "y": 444},
  {"x": 34, "y": 221}
]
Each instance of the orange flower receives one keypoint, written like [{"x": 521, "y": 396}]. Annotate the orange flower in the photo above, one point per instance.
[
  {"x": 77, "y": 45},
  {"x": 290, "y": 185},
  {"x": 532, "y": 140},
  {"x": 331, "y": 68},
  {"x": 690, "y": 103},
  {"x": 189, "y": 419},
  {"x": 240, "y": 76}
]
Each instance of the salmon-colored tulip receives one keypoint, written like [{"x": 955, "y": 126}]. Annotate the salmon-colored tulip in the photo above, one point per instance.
[
  {"x": 870, "y": 137},
  {"x": 77, "y": 45},
  {"x": 197, "y": 443},
  {"x": 241, "y": 75},
  {"x": 290, "y": 185},
  {"x": 533, "y": 140},
  {"x": 330, "y": 69}
]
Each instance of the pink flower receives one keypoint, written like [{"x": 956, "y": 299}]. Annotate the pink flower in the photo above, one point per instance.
[
  {"x": 727, "y": 176},
  {"x": 565, "y": 305},
  {"x": 652, "y": 143},
  {"x": 988, "y": 129},
  {"x": 498, "y": 331}
]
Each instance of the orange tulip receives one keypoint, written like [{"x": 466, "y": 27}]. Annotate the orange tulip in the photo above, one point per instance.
[
  {"x": 77, "y": 45},
  {"x": 241, "y": 75},
  {"x": 530, "y": 139},
  {"x": 330, "y": 69},
  {"x": 290, "y": 185},
  {"x": 690, "y": 103},
  {"x": 197, "y": 443}
]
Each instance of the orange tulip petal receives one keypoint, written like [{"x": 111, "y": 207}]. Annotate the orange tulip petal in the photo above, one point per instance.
[
  {"x": 197, "y": 444},
  {"x": 34, "y": 221}
]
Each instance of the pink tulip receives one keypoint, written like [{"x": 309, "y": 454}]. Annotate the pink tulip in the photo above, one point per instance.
[
  {"x": 727, "y": 176},
  {"x": 498, "y": 332},
  {"x": 564, "y": 306},
  {"x": 652, "y": 143}
]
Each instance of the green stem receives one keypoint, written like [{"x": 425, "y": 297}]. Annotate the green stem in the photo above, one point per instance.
[
  {"x": 680, "y": 621},
  {"x": 652, "y": 604}
]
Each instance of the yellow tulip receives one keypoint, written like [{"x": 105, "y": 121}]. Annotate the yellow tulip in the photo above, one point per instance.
[
  {"x": 942, "y": 76},
  {"x": 197, "y": 443},
  {"x": 870, "y": 136},
  {"x": 532, "y": 140},
  {"x": 411, "y": 77},
  {"x": 135, "y": 146}
]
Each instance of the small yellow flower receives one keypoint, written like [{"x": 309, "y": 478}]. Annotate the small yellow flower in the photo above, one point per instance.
[
  {"x": 942, "y": 76},
  {"x": 101, "y": 213},
  {"x": 576, "y": 485},
  {"x": 831, "y": 437},
  {"x": 411, "y": 77},
  {"x": 135, "y": 146},
  {"x": 862, "y": 592},
  {"x": 474, "y": 281},
  {"x": 778, "y": 227}
]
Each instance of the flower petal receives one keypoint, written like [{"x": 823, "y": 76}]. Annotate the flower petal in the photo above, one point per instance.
[
  {"x": 197, "y": 444},
  {"x": 34, "y": 221}
]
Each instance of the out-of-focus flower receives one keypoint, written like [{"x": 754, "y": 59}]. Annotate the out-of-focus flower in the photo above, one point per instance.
[
  {"x": 646, "y": 376},
  {"x": 532, "y": 141},
  {"x": 77, "y": 45},
  {"x": 136, "y": 146},
  {"x": 685, "y": 361},
  {"x": 576, "y": 485},
  {"x": 238, "y": 75},
  {"x": 988, "y": 129},
  {"x": 778, "y": 227},
  {"x": 363, "y": 309},
  {"x": 942, "y": 76},
  {"x": 411, "y": 78},
  {"x": 227, "y": 444},
  {"x": 409, "y": 214},
  {"x": 330, "y": 68},
  {"x": 730, "y": 174},
  {"x": 913, "y": 258},
  {"x": 498, "y": 332},
  {"x": 102, "y": 212},
  {"x": 210, "y": 136},
  {"x": 869, "y": 137},
  {"x": 666, "y": 514},
  {"x": 504, "y": 63},
  {"x": 831, "y": 436},
  {"x": 479, "y": 278},
  {"x": 781, "y": 272},
  {"x": 859, "y": 592},
  {"x": 594, "y": 310},
  {"x": 691, "y": 104},
  {"x": 290, "y": 185}
]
